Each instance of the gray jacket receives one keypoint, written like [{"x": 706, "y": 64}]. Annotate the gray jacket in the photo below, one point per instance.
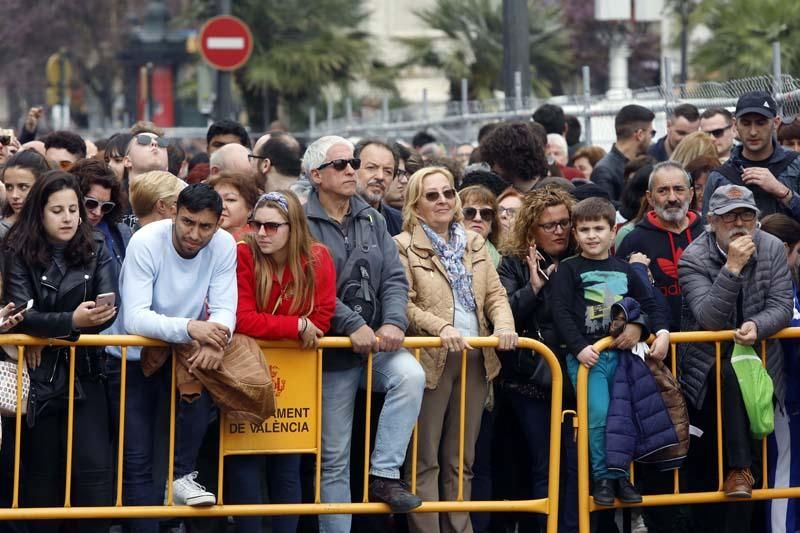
[
  {"x": 710, "y": 293},
  {"x": 371, "y": 285}
]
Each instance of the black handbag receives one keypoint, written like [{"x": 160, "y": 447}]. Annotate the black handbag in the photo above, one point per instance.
[
  {"x": 49, "y": 385},
  {"x": 530, "y": 365}
]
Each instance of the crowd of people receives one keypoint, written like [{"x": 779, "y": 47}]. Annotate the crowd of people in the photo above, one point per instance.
[{"x": 527, "y": 233}]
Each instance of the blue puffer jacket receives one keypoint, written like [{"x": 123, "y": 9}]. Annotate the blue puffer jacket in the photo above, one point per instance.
[{"x": 638, "y": 421}]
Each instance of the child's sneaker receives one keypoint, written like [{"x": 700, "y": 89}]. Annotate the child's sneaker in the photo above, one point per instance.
[
  {"x": 626, "y": 492},
  {"x": 603, "y": 492}
]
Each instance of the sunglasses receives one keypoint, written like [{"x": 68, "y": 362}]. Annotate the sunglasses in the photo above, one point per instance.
[
  {"x": 486, "y": 213},
  {"x": 270, "y": 228},
  {"x": 145, "y": 140},
  {"x": 93, "y": 203},
  {"x": 5, "y": 140},
  {"x": 341, "y": 164},
  {"x": 433, "y": 196},
  {"x": 65, "y": 164},
  {"x": 719, "y": 132}
]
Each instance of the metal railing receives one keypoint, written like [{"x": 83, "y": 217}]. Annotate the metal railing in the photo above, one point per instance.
[
  {"x": 547, "y": 506},
  {"x": 586, "y": 504}
]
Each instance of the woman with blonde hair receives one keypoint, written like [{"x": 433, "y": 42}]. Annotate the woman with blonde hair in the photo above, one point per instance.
[
  {"x": 692, "y": 146},
  {"x": 508, "y": 205},
  {"x": 287, "y": 290},
  {"x": 153, "y": 196},
  {"x": 454, "y": 293}
]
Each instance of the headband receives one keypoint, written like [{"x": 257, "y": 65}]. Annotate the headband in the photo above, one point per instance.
[{"x": 276, "y": 197}]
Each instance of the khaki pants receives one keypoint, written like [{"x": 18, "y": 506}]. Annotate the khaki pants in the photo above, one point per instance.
[{"x": 438, "y": 439}]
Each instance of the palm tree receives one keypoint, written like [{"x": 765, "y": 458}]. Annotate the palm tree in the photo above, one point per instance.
[
  {"x": 471, "y": 46},
  {"x": 742, "y": 35},
  {"x": 300, "y": 49}
]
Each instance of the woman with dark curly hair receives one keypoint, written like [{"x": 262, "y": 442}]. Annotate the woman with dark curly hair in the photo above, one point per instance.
[
  {"x": 538, "y": 241},
  {"x": 101, "y": 197},
  {"x": 516, "y": 153}
]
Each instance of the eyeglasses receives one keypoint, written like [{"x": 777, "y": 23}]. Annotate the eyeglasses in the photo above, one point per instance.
[
  {"x": 253, "y": 156},
  {"x": 270, "y": 228},
  {"x": 508, "y": 211},
  {"x": 745, "y": 216},
  {"x": 652, "y": 132},
  {"x": 433, "y": 196},
  {"x": 341, "y": 164},
  {"x": 719, "y": 132},
  {"x": 146, "y": 140},
  {"x": 550, "y": 227},
  {"x": 486, "y": 213},
  {"x": 93, "y": 203}
]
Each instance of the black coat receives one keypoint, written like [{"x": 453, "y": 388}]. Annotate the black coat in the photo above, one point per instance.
[{"x": 56, "y": 296}]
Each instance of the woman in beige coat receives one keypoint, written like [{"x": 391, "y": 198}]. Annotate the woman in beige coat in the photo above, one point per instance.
[{"x": 454, "y": 293}]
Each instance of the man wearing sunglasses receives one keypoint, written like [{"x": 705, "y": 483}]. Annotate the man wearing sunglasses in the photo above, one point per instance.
[
  {"x": 768, "y": 169},
  {"x": 718, "y": 122},
  {"x": 146, "y": 151},
  {"x": 378, "y": 170},
  {"x": 372, "y": 297}
]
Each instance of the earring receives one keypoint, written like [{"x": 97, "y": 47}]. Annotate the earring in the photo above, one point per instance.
[{"x": 80, "y": 221}]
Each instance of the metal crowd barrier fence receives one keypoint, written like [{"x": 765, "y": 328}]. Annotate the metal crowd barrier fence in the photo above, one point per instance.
[
  {"x": 297, "y": 376},
  {"x": 586, "y": 504}
]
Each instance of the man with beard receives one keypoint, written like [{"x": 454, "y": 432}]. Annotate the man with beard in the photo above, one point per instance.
[
  {"x": 662, "y": 236},
  {"x": 378, "y": 170},
  {"x": 768, "y": 169},
  {"x": 733, "y": 277},
  {"x": 665, "y": 232}
]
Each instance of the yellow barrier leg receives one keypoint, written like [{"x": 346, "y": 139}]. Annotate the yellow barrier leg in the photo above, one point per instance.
[
  {"x": 318, "y": 469},
  {"x": 70, "y": 427},
  {"x": 414, "y": 446},
  {"x": 18, "y": 429},
  {"x": 123, "y": 375},
  {"x": 583, "y": 450},
  {"x": 173, "y": 399},
  {"x": 368, "y": 416}
]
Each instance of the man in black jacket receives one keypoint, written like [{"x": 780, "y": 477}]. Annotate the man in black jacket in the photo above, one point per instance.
[{"x": 634, "y": 128}]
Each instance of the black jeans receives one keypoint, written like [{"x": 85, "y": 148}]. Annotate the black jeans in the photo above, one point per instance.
[
  {"x": 740, "y": 451},
  {"x": 44, "y": 449}
]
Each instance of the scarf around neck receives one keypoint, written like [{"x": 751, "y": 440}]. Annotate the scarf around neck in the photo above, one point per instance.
[{"x": 451, "y": 254}]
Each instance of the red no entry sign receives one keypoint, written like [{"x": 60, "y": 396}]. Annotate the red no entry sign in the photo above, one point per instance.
[{"x": 225, "y": 42}]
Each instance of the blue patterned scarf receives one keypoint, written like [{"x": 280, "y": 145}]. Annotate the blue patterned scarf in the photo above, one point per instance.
[{"x": 451, "y": 254}]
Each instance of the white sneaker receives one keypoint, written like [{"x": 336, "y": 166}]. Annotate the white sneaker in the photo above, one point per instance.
[{"x": 186, "y": 491}]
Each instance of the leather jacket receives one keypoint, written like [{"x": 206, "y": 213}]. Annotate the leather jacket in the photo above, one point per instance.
[{"x": 56, "y": 295}]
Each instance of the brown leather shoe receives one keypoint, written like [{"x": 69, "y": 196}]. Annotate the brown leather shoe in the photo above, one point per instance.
[{"x": 739, "y": 483}]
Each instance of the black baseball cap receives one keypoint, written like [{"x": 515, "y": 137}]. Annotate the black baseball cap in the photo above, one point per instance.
[{"x": 760, "y": 102}]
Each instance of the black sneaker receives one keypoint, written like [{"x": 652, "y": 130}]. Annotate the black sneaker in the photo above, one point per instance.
[
  {"x": 626, "y": 492},
  {"x": 603, "y": 492},
  {"x": 394, "y": 492}
]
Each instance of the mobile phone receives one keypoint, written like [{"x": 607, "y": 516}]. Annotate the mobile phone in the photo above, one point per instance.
[
  {"x": 108, "y": 298},
  {"x": 17, "y": 310}
]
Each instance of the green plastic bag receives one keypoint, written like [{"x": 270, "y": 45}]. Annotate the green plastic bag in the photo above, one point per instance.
[{"x": 757, "y": 389}]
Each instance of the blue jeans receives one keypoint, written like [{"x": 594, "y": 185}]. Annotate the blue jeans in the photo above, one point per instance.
[
  {"x": 601, "y": 381},
  {"x": 143, "y": 397},
  {"x": 401, "y": 377},
  {"x": 243, "y": 475}
]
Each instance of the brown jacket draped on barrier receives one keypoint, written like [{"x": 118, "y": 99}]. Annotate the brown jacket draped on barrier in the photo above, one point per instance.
[
  {"x": 430, "y": 297},
  {"x": 241, "y": 386}
]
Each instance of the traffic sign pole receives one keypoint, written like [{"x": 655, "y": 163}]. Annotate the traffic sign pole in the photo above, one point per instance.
[{"x": 226, "y": 44}]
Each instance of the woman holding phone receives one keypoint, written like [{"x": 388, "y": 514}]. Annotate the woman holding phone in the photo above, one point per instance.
[
  {"x": 54, "y": 258},
  {"x": 287, "y": 290}
]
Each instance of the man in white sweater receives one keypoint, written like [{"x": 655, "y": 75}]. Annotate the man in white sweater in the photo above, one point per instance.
[{"x": 178, "y": 284}]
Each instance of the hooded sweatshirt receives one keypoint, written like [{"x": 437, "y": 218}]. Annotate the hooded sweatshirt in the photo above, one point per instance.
[{"x": 664, "y": 248}]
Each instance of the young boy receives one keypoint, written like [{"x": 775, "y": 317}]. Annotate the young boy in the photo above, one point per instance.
[{"x": 585, "y": 288}]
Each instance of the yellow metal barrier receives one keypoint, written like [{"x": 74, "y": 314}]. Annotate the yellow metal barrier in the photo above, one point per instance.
[
  {"x": 282, "y": 354},
  {"x": 586, "y": 504}
]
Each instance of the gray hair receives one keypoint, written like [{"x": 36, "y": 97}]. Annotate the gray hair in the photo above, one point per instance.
[
  {"x": 667, "y": 165},
  {"x": 318, "y": 150}
]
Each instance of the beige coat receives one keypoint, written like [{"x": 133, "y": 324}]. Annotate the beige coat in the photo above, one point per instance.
[{"x": 430, "y": 297}]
